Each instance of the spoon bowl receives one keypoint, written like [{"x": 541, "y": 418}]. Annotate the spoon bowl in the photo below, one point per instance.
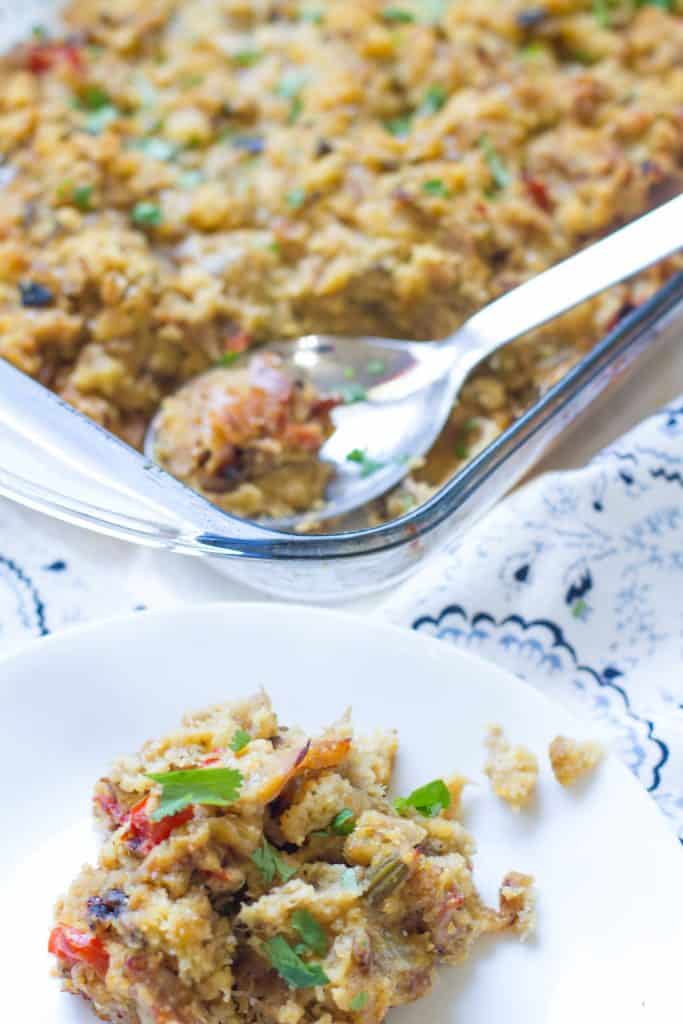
[{"x": 398, "y": 394}]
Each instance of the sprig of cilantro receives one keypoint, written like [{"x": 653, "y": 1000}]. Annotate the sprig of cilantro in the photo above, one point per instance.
[
  {"x": 214, "y": 787},
  {"x": 310, "y": 931},
  {"x": 291, "y": 967},
  {"x": 429, "y": 800},
  {"x": 240, "y": 740},
  {"x": 270, "y": 864}
]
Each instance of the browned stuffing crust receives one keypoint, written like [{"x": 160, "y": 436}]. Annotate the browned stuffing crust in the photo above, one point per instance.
[{"x": 191, "y": 178}]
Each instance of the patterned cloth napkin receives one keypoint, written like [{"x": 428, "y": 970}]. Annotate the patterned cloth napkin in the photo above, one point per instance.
[{"x": 574, "y": 583}]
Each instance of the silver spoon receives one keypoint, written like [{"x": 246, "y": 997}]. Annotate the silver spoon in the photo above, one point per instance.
[{"x": 407, "y": 389}]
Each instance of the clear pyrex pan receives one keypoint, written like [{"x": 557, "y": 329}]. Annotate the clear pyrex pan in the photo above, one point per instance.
[{"x": 335, "y": 566}]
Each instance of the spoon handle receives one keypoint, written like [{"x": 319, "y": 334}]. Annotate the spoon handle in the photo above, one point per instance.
[{"x": 620, "y": 255}]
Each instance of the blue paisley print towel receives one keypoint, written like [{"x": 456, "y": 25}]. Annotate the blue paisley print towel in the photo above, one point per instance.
[{"x": 575, "y": 583}]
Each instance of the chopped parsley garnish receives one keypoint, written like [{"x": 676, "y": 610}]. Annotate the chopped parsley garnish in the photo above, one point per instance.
[
  {"x": 367, "y": 465},
  {"x": 147, "y": 214},
  {"x": 359, "y": 1002},
  {"x": 98, "y": 120},
  {"x": 499, "y": 172},
  {"x": 349, "y": 373},
  {"x": 215, "y": 787},
  {"x": 40, "y": 32},
  {"x": 435, "y": 187},
  {"x": 156, "y": 148},
  {"x": 229, "y": 359},
  {"x": 533, "y": 50},
  {"x": 428, "y": 800},
  {"x": 353, "y": 393},
  {"x": 245, "y": 58},
  {"x": 398, "y": 15},
  {"x": 295, "y": 198},
  {"x": 434, "y": 99},
  {"x": 399, "y": 126},
  {"x": 291, "y": 967},
  {"x": 82, "y": 197},
  {"x": 241, "y": 739},
  {"x": 375, "y": 367},
  {"x": 461, "y": 449},
  {"x": 94, "y": 97},
  {"x": 343, "y": 823},
  {"x": 296, "y": 106},
  {"x": 270, "y": 864},
  {"x": 601, "y": 13},
  {"x": 310, "y": 931}
]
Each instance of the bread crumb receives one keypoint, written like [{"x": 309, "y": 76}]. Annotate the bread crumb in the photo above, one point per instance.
[
  {"x": 518, "y": 903},
  {"x": 456, "y": 784},
  {"x": 513, "y": 771},
  {"x": 571, "y": 760}
]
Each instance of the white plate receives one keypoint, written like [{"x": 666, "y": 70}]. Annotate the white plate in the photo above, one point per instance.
[{"x": 608, "y": 872}]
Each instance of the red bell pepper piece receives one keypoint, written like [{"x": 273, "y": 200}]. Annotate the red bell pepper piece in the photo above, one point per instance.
[
  {"x": 44, "y": 56},
  {"x": 144, "y": 834},
  {"x": 73, "y": 946}
]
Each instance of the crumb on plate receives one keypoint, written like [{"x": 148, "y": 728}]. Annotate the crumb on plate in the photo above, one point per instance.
[
  {"x": 513, "y": 770},
  {"x": 571, "y": 760}
]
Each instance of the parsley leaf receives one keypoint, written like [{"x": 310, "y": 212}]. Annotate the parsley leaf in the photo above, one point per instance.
[
  {"x": 311, "y": 931},
  {"x": 245, "y": 58},
  {"x": 214, "y": 787},
  {"x": 398, "y": 15},
  {"x": 291, "y": 967},
  {"x": 359, "y": 1002},
  {"x": 499, "y": 172},
  {"x": 435, "y": 187},
  {"x": 93, "y": 98},
  {"x": 227, "y": 359},
  {"x": 241, "y": 739},
  {"x": 343, "y": 823},
  {"x": 82, "y": 196},
  {"x": 434, "y": 99},
  {"x": 147, "y": 214},
  {"x": 428, "y": 800},
  {"x": 270, "y": 864},
  {"x": 399, "y": 126},
  {"x": 367, "y": 465}
]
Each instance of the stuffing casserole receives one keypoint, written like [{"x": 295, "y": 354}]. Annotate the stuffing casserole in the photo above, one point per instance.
[
  {"x": 251, "y": 874},
  {"x": 186, "y": 179}
]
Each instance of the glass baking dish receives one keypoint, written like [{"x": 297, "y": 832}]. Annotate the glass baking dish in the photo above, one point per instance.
[
  {"x": 343, "y": 565},
  {"x": 335, "y": 566}
]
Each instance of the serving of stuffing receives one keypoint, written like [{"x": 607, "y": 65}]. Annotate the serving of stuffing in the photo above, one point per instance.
[
  {"x": 183, "y": 180},
  {"x": 250, "y": 873},
  {"x": 249, "y": 439},
  {"x": 571, "y": 760}
]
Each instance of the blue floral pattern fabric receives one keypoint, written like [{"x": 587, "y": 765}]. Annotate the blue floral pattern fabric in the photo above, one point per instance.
[{"x": 575, "y": 583}]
